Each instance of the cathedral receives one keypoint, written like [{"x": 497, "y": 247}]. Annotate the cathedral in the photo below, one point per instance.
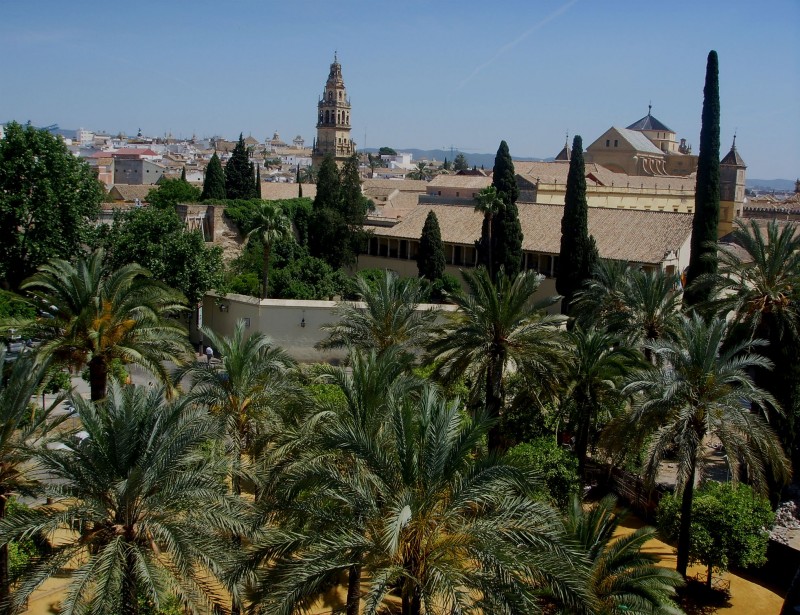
[{"x": 333, "y": 120}]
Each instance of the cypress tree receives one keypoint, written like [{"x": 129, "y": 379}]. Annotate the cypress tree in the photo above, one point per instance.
[
  {"x": 506, "y": 228},
  {"x": 578, "y": 249},
  {"x": 183, "y": 174},
  {"x": 258, "y": 183},
  {"x": 703, "y": 256},
  {"x": 327, "y": 185},
  {"x": 239, "y": 173},
  {"x": 214, "y": 182},
  {"x": 430, "y": 258},
  {"x": 299, "y": 183}
]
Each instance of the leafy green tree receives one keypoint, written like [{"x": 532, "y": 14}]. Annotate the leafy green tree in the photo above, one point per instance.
[
  {"x": 730, "y": 526},
  {"x": 48, "y": 200},
  {"x": 624, "y": 578},
  {"x": 240, "y": 179},
  {"x": 578, "y": 249},
  {"x": 430, "y": 258},
  {"x": 506, "y": 231},
  {"x": 556, "y": 467},
  {"x": 270, "y": 224},
  {"x": 758, "y": 284},
  {"x": 305, "y": 277},
  {"x": 426, "y": 512},
  {"x": 21, "y": 424},
  {"x": 101, "y": 315},
  {"x": 214, "y": 182},
  {"x": 171, "y": 192},
  {"x": 157, "y": 240},
  {"x": 701, "y": 388},
  {"x": 387, "y": 151},
  {"x": 390, "y": 316},
  {"x": 498, "y": 329},
  {"x": 703, "y": 255},
  {"x": 152, "y": 513},
  {"x": 460, "y": 163}
]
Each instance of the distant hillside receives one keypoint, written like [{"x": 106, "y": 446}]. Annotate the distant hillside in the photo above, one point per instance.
[
  {"x": 487, "y": 160},
  {"x": 781, "y": 185}
]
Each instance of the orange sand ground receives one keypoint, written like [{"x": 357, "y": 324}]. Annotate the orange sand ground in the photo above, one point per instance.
[{"x": 747, "y": 598}]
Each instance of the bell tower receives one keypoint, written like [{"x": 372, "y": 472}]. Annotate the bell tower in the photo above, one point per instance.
[{"x": 333, "y": 120}]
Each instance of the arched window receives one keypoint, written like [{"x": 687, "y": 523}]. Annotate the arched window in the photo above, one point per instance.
[
  {"x": 330, "y": 95},
  {"x": 327, "y": 117},
  {"x": 340, "y": 95}
]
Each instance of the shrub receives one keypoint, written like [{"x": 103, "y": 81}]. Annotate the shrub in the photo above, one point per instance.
[{"x": 557, "y": 467}]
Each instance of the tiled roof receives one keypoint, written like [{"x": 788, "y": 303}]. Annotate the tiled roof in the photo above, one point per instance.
[
  {"x": 648, "y": 122},
  {"x": 404, "y": 185},
  {"x": 733, "y": 158},
  {"x": 628, "y": 235},
  {"x": 598, "y": 175},
  {"x": 134, "y": 151},
  {"x": 460, "y": 181},
  {"x": 275, "y": 191},
  {"x": 131, "y": 192}
]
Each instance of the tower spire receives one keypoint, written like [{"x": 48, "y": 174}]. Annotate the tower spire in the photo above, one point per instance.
[{"x": 649, "y": 107}]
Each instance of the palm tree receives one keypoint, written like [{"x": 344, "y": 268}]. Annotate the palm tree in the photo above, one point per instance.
[
  {"x": 758, "y": 284},
  {"x": 21, "y": 423},
  {"x": 312, "y": 486},
  {"x": 624, "y": 579},
  {"x": 497, "y": 329},
  {"x": 489, "y": 204},
  {"x": 701, "y": 388},
  {"x": 592, "y": 375},
  {"x": 241, "y": 391},
  {"x": 136, "y": 508},
  {"x": 420, "y": 172},
  {"x": 102, "y": 315},
  {"x": 641, "y": 306},
  {"x": 453, "y": 529},
  {"x": 390, "y": 316},
  {"x": 270, "y": 224}
]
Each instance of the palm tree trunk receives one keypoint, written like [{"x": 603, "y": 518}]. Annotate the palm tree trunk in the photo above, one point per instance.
[
  {"x": 3, "y": 553},
  {"x": 98, "y": 377},
  {"x": 266, "y": 271},
  {"x": 684, "y": 534},
  {"x": 354, "y": 590},
  {"x": 582, "y": 438},
  {"x": 494, "y": 405},
  {"x": 412, "y": 601},
  {"x": 130, "y": 598}
]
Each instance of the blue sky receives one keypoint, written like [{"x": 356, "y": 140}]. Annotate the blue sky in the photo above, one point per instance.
[{"x": 419, "y": 73}]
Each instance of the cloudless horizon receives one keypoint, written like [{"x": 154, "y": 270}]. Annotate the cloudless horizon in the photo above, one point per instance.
[{"x": 429, "y": 75}]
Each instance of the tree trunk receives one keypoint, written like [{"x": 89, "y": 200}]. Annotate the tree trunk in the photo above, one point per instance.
[
  {"x": 494, "y": 405},
  {"x": 266, "y": 272},
  {"x": 684, "y": 533},
  {"x": 582, "y": 438},
  {"x": 708, "y": 576},
  {"x": 412, "y": 601},
  {"x": 130, "y": 597},
  {"x": 354, "y": 590},
  {"x": 3, "y": 553},
  {"x": 98, "y": 377}
]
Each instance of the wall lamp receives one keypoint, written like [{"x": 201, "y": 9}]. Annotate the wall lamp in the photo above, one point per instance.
[
  {"x": 223, "y": 307},
  {"x": 303, "y": 321}
]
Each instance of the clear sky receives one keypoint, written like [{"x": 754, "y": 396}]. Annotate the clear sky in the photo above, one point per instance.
[{"x": 420, "y": 73}]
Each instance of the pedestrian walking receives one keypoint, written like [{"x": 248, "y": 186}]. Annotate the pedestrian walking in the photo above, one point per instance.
[{"x": 209, "y": 354}]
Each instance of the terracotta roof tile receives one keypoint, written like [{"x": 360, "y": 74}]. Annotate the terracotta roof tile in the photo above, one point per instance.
[{"x": 627, "y": 235}]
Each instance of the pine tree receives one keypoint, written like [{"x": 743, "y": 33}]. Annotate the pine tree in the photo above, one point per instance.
[
  {"x": 703, "y": 256},
  {"x": 430, "y": 258},
  {"x": 506, "y": 228},
  {"x": 183, "y": 174},
  {"x": 460, "y": 163},
  {"x": 214, "y": 183},
  {"x": 578, "y": 249},
  {"x": 239, "y": 173}
]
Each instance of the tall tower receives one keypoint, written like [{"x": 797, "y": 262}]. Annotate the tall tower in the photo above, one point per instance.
[
  {"x": 732, "y": 183},
  {"x": 333, "y": 120}
]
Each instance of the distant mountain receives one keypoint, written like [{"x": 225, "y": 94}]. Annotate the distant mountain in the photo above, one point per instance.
[
  {"x": 779, "y": 185},
  {"x": 478, "y": 160}
]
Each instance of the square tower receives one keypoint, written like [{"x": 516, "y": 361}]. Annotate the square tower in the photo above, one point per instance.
[{"x": 333, "y": 120}]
